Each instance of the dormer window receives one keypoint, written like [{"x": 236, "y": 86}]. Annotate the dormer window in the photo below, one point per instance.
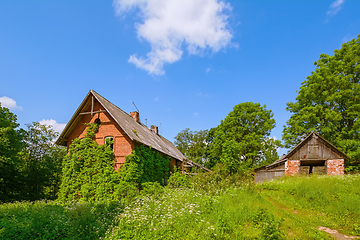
[{"x": 110, "y": 141}]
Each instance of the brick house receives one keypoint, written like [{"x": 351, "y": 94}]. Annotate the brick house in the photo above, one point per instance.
[
  {"x": 126, "y": 130},
  {"x": 314, "y": 155}
]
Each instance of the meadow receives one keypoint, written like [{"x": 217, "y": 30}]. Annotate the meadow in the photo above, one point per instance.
[{"x": 204, "y": 207}]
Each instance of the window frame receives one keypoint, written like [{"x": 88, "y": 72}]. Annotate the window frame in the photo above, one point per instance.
[{"x": 112, "y": 145}]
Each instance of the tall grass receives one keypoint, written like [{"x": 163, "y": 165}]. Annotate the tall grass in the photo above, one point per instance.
[
  {"x": 188, "y": 214},
  {"x": 53, "y": 220},
  {"x": 209, "y": 206},
  {"x": 335, "y": 197}
]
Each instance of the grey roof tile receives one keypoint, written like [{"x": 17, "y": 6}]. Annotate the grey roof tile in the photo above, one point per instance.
[{"x": 136, "y": 131}]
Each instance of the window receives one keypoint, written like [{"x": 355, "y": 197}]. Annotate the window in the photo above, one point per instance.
[
  {"x": 110, "y": 140},
  {"x": 97, "y": 121}
]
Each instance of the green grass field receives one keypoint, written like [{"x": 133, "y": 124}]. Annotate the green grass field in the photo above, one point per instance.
[{"x": 288, "y": 208}]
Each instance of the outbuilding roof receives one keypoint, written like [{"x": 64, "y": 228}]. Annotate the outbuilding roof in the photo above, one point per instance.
[
  {"x": 285, "y": 157},
  {"x": 136, "y": 131},
  {"x": 326, "y": 142}
]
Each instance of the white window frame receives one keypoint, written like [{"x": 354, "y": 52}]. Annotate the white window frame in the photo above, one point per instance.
[{"x": 110, "y": 137}]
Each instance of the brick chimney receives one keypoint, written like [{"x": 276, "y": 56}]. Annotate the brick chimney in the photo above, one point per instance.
[
  {"x": 135, "y": 115},
  {"x": 155, "y": 129}
]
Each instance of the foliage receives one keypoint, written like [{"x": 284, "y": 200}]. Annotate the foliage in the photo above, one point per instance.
[
  {"x": 241, "y": 140},
  {"x": 287, "y": 208},
  {"x": 41, "y": 162},
  {"x": 152, "y": 188},
  {"x": 52, "y": 220},
  {"x": 220, "y": 180},
  {"x": 328, "y": 102},
  {"x": 178, "y": 180},
  {"x": 89, "y": 175},
  {"x": 189, "y": 214},
  {"x": 30, "y": 164},
  {"x": 88, "y": 171},
  {"x": 146, "y": 165},
  {"x": 10, "y": 145},
  {"x": 192, "y": 144}
]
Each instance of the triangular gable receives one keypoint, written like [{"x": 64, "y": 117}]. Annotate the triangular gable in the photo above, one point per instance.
[
  {"x": 322, "y": 139},
  {"x": 134, "y": 130},
  {"x": 285, "y": 158}
]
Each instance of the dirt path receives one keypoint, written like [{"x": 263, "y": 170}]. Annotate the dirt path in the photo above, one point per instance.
[{"x": 336, "y": 234}]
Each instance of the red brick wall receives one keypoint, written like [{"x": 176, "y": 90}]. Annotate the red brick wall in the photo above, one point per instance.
[
  {"x": 108, "y": 127},
  {"x": 292, "y": 167},
  {"x": 335, "y": 167}
]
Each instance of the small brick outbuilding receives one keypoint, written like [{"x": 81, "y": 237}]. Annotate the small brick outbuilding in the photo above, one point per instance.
[
  {"x": 314, "y": 155},
  {"x": 126, "y": 131}
]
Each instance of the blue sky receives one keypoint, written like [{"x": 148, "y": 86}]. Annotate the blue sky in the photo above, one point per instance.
[{"x": 185, "y": 64}]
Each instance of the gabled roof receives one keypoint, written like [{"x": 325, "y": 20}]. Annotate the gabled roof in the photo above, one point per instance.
[
  {"x": 284, "y": 158},
  {"x": 135, "y": 131},
  {"x": 326, "y": 142}
]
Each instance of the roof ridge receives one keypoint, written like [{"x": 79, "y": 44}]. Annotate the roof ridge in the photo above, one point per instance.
[
  {"x": 111, "y": 103},
  {"x": 137, "y": 131}
]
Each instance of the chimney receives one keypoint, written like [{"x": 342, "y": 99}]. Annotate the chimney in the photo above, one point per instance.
[
  {"x": 135, "y": 115},
  {"x": 155, "y": 129}
]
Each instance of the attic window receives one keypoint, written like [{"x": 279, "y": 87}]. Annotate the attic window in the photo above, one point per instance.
[
  {"x": 110, "y": 140},
  {"x": 97, "y": 121}
]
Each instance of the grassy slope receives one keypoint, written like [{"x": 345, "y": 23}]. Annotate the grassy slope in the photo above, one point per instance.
[{"x": 290, "y": 208}]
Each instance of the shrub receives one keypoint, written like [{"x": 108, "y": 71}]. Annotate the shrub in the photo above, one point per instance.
[
  {"x": 152, "y": 189},
  {"x": 178, "y": 180}
]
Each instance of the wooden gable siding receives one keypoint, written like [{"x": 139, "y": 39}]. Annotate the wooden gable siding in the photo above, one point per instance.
[
  {"x": 123, "y": 145},
  {"x": 314, "y": 149}
]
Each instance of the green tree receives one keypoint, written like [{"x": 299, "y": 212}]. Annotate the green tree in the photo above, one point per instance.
[
  {"x": 10, "y": 144},
  {"x": 192, "y": 144},
  {"x": 328, "y": 102},
  {"x": 242, "y": 139},
  {"x": 41, "y": 162}
]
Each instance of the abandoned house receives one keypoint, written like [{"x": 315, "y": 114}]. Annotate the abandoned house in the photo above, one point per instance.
[
  {"x": 125, "y": 130},
  {"x": 314, "y": 155}
]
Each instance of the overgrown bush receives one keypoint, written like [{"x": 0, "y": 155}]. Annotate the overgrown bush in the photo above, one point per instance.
[
  {"x": 88, "y": 171},
  {"x": 152, "y": 189},
  {"x": 148, "y": 165},
  {"x": 220, "y": 179},
  {"x": 178, "y": 180},
  {"x": 89, "y": 175}
]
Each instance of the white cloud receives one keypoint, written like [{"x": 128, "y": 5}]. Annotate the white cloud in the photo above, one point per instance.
[
  {"x": 156, "y": 99},
  {"x": 335, "y": 7},
  {"x": 9, "y": 103},
  {"x": 207, "y": 70},
  {"x": 196, "y": 114},
  {"x": 168, "y": 25},
  {"x": 58, "y": 127}
]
